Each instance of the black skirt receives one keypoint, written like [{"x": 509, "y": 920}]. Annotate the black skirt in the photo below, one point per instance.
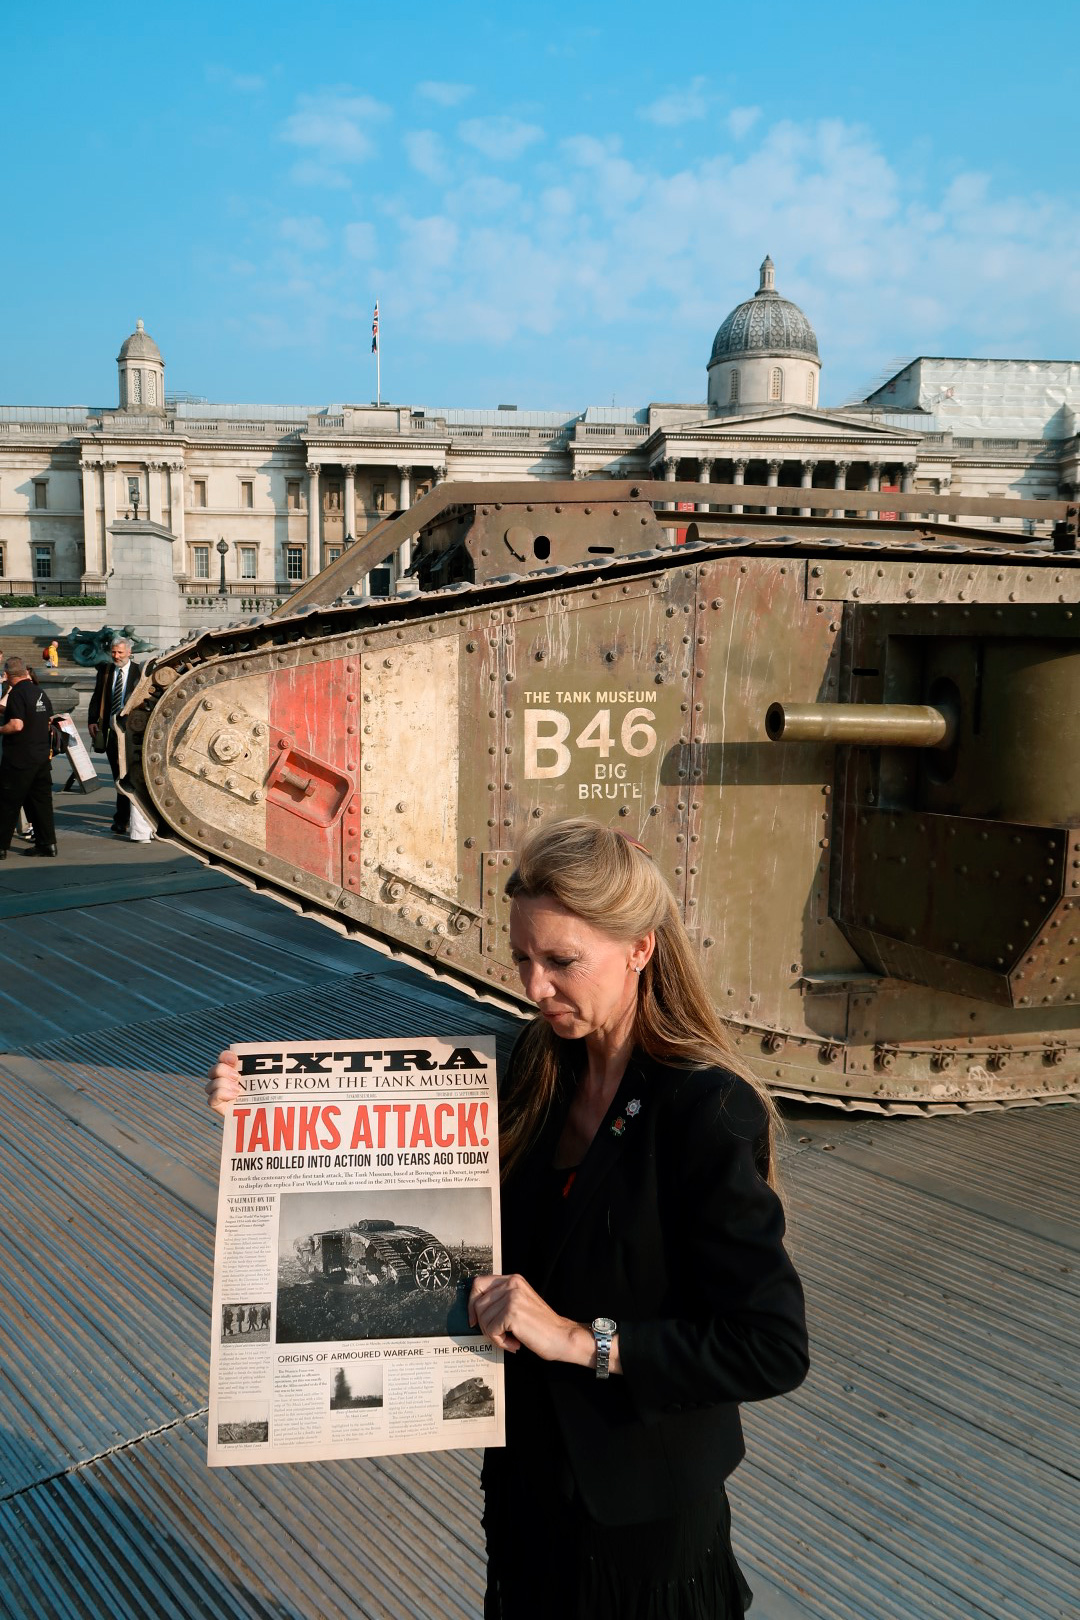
[{"x": 547, "y": 1557}]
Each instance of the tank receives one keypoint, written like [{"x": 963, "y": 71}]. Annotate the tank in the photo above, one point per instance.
[
  {"x": 849, "y": 742},
  {"x": 376, "y": 1253}
]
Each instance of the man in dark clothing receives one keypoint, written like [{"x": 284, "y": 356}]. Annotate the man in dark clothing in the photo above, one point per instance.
[
  {"x": 25, "y": 770},
  {"x": 115, "y": 684}
]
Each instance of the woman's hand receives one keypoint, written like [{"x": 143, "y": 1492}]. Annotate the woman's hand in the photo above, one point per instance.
[
  {"x": 223, "y": 1086},
  {"x": 511, "y": 1314}
]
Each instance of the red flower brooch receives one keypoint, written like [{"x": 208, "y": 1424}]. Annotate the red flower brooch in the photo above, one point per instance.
[{"x": 618, "y": 1126}]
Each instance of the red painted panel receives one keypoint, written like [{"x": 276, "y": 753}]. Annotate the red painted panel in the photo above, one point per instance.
[{"x": 314, "y": 761}]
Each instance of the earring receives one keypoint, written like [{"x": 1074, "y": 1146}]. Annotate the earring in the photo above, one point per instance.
[{"x": 638, "y": 969}]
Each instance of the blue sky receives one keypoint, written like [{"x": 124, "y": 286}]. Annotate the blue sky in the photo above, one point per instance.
[{"x": 553, "y": 209}]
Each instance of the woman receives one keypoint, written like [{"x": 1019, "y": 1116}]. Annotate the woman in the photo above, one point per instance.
[{"x": 647, "y": 1290}]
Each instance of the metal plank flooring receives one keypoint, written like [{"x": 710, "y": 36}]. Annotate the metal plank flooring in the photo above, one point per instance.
[{"x": 927, "y": 1468}]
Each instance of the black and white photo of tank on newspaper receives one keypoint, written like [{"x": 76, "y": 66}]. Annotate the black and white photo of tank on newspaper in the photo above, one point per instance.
[{"x": 379, "y": 1265}]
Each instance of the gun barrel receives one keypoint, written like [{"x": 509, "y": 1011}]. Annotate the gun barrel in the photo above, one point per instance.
[{"x": 866, "y": 725}]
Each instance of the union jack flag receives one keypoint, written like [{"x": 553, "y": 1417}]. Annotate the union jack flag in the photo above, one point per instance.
[{"x": 375, "y": 329}]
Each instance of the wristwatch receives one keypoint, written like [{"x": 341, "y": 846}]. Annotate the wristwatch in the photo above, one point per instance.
[{"x": 604, "y": 1329}]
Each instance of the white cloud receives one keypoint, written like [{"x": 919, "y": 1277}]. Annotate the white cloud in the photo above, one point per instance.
[
  {"x": 444, "y": 94},
  {"x": 616, "y": 182},
  {"x": 241, "y": 84},
  {"x": 307, "y": 232},
  {"x": 360, "y": 240},
  {"x": 429, "y": 243},
  {"x": 486, "y": 194},
  {"x": 335, "y": 125},
  {"x": 425, "y": 152},
  {"x": 641, "y": 260},
  {"x": 741, "y": 120},
  {"x": 308, "y": 173},
  {"x": 678, "y": 106},
  {"x": 557, "y": 200},
  {"x": 499, "y": 137}
]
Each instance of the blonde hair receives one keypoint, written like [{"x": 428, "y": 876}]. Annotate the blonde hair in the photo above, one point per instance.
[{"x": 612, "y": 883}]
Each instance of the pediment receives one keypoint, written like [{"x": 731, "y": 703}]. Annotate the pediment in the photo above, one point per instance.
[{"x": 789, "y": 423}]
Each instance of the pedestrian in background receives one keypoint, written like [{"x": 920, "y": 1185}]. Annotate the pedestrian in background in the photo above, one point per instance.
[
  {"x": 25, "y": 765},
  {"x": 114, "y": 685}
]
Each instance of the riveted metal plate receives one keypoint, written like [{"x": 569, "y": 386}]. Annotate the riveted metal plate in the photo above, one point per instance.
[
  {"x": 935, "y": 580},
  {"x": 949, "y": 901}
]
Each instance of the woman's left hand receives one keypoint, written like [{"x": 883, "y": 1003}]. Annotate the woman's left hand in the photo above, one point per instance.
[{"x": 510, "y": 1312}]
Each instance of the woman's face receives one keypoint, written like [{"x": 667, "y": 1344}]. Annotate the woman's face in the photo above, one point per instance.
[{"x": 582, "y": 980}]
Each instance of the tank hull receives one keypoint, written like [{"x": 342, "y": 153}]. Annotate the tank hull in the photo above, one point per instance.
[{"x": 376, "y": 765}]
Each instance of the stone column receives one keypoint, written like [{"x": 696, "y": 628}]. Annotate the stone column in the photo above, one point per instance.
[
  {"x": 349, "y": 469},
  {"x": 840, "y": 482},
  {"x": 404, "y": 502},
  {"x": 93, "y": 560},
  {"x": 314, "y": 527},
  {"x": 670, "y": 467},
  {"x": 705, "y": 467},
  {"x": 772, "y": 480},
  {"x": 806, "y": 481},
  {"x": 155, "y": 478},
  {"x": 907, "y": 480},
  {"x": 944, "y": 486},
  {"x": 874, "y": 484},
  {"x": 176, "y": 506},
  {"x": 108, "y": 502},
  {"x": 739, "y": 476}
]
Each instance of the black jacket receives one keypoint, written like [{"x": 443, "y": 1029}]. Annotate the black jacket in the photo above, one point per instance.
[
  {"x": 670, "y": 1228},
  {"x": 98, "y": 712}
]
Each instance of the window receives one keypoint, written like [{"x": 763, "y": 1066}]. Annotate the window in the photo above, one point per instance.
[
  {"x": 247, "y": 493},
  {"x": 733, "y": 397},
  {"x": 136, "y": 387},
  {"x": 198, "y": 492},
  {"x": 134, "y": 495},
  {"x": 41, "y": 494},
  {"x": 776, "y": 383},
  {"x": 249, "y": 562},
  {"x": 292, "y": 494},
  {"x": 333, "y": 553},
  {"x": 810, "y": 388},
  {"x": 2, "y": 563},
  {"x": 43, "y": 562},
  {"x": 294, "y": 562},
  {"x": 151, "y": 388},
  {"x": 200, "y": 557}
]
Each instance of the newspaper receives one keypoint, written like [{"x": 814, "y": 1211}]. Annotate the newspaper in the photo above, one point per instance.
[
  {"x": 82, "y": 766},
  {"x": 359, "y": 1196}
]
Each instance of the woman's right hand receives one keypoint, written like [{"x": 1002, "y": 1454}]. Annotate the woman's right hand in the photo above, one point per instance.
[{"x": 223, "y": 1086}]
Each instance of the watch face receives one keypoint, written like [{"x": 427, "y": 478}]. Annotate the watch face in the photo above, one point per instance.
[{"x": 604, "y": 1324}]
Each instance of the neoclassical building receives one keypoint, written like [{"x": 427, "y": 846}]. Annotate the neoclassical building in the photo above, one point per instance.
[{"x": 278, "y": 490}]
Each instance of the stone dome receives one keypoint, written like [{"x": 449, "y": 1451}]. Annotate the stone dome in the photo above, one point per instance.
[
  {"x": 765, "y": 325},
  {"x": 139, "y": 346}
]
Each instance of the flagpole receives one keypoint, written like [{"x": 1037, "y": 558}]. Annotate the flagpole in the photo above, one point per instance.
[{"x": 376, "y": 349}]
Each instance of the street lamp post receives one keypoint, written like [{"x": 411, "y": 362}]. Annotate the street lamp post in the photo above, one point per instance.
[{"x": 222, "y": 551}]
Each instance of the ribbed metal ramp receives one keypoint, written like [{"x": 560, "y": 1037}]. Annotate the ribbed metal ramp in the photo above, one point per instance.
[{"x": 926, "y": 1469}]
